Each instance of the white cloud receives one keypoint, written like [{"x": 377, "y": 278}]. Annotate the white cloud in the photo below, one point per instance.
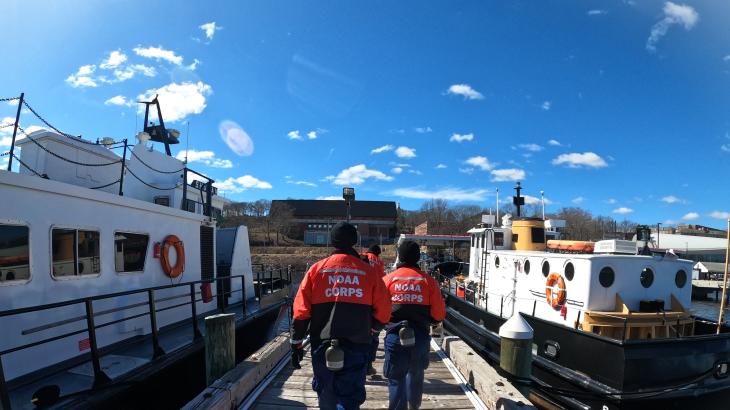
[
  {"x": 82, "y": 78},
  {"x": 531, "y": 147},
  {"x": 726, "y": 58},
  {"x": 118, "y": 100},
  {"x": 467, "y": 171},
  {"x": 209, "y": 29},
  {"x": 423, "y": 130},
  {"x": 159, "y": 53},
  {"x": 507, "y": 174},
  {"x": 6, "y": 141},
  {"x": 357, "y": 174},
  {"x": 236, "y": 138},
  {"x": 720, "y": 215},
  {"x": 674, "y": 14},
  {"x": 240, "y": 184},
  {"x": 578, "y": 200},
  {"x": 451, "y": 194},
  {"x": 461, "y": 137},
  {"x": 546, "y": 105},
  {"x": 671, "y": 199},
  {"x": 415, "y": 172},
  {"x": 611, "y": 201},
  {"x": 397, "y": 170},
  {"x": 405, "y": 152},
  {"x": 533, "y": 200},
  {"x": 384, "y": 148},
  {"x": 480, "y": 162},
  {"x": 725, "y": 147},
  {"x": 294, "y": 135},
  {"x": 690, "y": 216},
  {"x": 555, "y": 143},
  {"x": 596, "y": 12},
  {"x": 466, "y": 91},
  {"x": 306, "y": 183},
  {"x": 330, "y": 198},
  {"x": 441, "y": 166},
  {"x": 177, "y": 101},
  {"x": 204, "y": 157},
  {"x": 623, "y": 210},
  {"x": 312, "y": 135},
  {"x": 114, "y": 60},
  {"x": 577, "y": 160}
]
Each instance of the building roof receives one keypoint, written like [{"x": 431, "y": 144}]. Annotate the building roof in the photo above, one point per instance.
[
  {"x": 712, "y": 267},
  {"x": 689, "y": 242},
  {"x": 338, "y": 208}
]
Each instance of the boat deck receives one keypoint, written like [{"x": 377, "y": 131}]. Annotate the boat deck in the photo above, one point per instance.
[{"x": 292, "y": 389}]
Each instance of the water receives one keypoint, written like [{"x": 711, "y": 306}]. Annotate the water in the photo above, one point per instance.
[{"x": 708, "y": 310}]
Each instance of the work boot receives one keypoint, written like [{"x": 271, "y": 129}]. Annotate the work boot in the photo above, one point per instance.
[
  {"x": 371, "y": 370},
  {"x": 412, "y": 407}
]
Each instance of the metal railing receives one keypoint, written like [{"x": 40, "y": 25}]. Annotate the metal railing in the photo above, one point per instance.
[{"x": 273, "y": 283}]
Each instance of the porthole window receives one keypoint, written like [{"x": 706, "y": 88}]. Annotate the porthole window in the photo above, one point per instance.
[
  {"x": 527, "y": 266},
  {"x": 680, "y": 279},
  {"x": 545, "y": 268},
  {"x": 647, "y": 277},
  {"x": 569, "y": 271},
  {"x": 496, "y": 261},
  {"x": 606, "y": 277}
]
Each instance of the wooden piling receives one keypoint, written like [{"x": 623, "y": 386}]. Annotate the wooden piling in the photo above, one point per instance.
[{"x": 220, "y": 345}]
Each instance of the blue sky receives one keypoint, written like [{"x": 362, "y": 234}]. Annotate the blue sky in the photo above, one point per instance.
[{"x": 619, "y": 107}]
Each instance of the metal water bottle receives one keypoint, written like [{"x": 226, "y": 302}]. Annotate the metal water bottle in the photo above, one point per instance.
[
  {"x": 334, "y": 356},
  {"x": 406, "y": 335}
]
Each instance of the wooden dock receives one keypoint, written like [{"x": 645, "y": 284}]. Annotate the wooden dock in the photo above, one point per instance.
[{"x": 292, "y": 389}]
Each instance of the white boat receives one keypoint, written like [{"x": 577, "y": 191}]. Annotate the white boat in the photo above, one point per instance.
[{"x": 97, "y": 249}]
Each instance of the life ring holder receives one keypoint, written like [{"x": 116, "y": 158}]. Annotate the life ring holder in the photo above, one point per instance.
[
  {"x": 555, "y": 298},
  {"x": 177, "y": 270}
]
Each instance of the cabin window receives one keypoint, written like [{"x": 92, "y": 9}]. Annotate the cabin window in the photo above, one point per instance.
[
  {"x": 526, "y": 266},
  {"x": 680, "y": 279},
  {"x": 130, "y": 251},
  {"x": 647, "y": 277},
  {"x": 569, "y": 271},
  {"x": 496, "y": 261},
  {"x": 162, "y": 200},
  {"x": 14, "y": 253},
  {"x": 75, "y": 252},
  {"x": 606, "y": 277},
  {"x": 499, "y": 239},
  {"x": 538, "y": 235},
  {"x": 545, "y": 268},
  {"x": 515, "y": 237},
  {"x": 189, "y": 205}
]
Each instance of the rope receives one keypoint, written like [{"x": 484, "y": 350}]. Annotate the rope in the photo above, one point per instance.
[
  {"x": 25, "y": 102},
  {"x": 64, "y": 158},
  {"x": 151, "y": 186},
  {"x": 7, "y": 125},
  {"x": 154, "y": 169},
  {"x": 10, "y": 99},
  {"x": 109, "y": 184},
  {"x": 27, "y": 167}
]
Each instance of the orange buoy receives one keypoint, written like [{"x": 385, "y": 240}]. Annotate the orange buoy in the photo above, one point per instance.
[
  {"x": 175, "y": 242},
  {"x": 555, "y": 297}
]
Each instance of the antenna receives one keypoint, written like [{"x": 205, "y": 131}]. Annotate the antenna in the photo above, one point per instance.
[
  {"x": 497, "y": 205},
  {"x": 187, "y": 141}
]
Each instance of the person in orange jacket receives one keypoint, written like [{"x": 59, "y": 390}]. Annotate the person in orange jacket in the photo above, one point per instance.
[
  {"x": 341, "y": 302},
  {"x": 417, "y": 304},
  {"x": 372, "y": 255}
]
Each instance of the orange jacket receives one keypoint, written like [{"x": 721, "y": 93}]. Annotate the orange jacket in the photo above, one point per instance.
[
  {"x": 340, "y": 297},
  {"x": 375, "y": 262},
  {"x": 416, "y": 297}
]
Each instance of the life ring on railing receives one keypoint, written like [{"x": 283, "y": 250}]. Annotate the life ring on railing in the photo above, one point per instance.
[
  {"x": 177, "y": 270},
  {"x": 555, "y": 290}
]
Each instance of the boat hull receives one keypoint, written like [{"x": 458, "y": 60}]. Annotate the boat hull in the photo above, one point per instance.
[{"x": 601, "y": 373}]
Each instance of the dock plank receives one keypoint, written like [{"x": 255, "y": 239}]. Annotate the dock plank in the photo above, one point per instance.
[{"x": 292, "y": 389}]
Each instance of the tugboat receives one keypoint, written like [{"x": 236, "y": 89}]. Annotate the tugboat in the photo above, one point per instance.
[
  {"x": 612, "y": 325},
  {"x": 108, "y": 263}
]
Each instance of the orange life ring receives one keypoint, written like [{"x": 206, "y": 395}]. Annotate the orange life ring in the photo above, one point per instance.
[
  {"x": 177, "y": 270},
  {"x": 555, "y": 298}
]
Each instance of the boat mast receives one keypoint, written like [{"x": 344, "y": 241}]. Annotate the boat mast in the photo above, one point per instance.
[{"x": 724, "y": 280}]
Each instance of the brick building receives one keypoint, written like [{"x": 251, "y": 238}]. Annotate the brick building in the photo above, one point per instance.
[{"x": 312, "y": 219}]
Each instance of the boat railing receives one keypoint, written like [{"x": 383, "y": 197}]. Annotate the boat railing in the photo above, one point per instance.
[{"x": 276, "y": 277}]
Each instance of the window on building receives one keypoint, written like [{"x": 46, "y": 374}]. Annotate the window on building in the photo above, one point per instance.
[
  {"x": 162, "y": 200},
  {"x": 189, "y": 205},
  {"x": 130, "y": 250},
  {"x": 75, "y": 252},
  {"x": 14, "y": 253}
]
